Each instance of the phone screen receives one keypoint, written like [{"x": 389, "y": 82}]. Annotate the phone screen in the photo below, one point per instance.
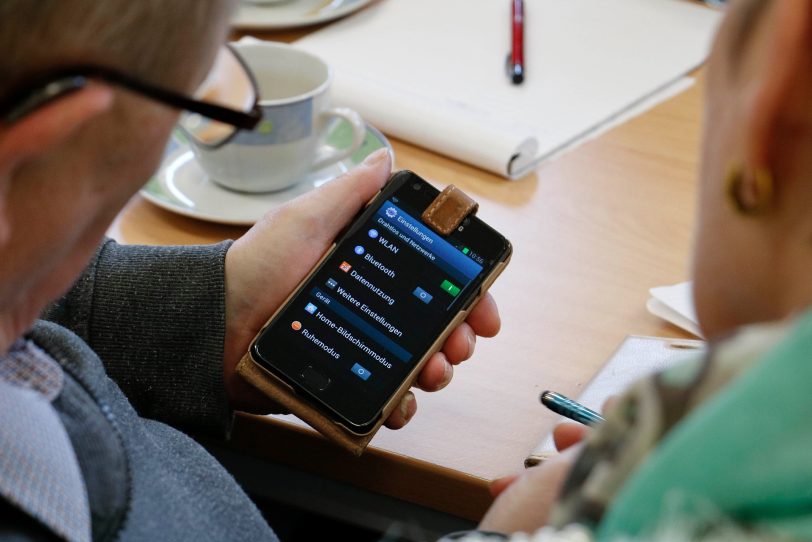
[{"x": 377, "y": 303}]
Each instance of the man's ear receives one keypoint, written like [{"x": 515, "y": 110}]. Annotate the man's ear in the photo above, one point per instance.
[
  {"x": 781, "y": 109},
  {"x": 51, "y": 125}
]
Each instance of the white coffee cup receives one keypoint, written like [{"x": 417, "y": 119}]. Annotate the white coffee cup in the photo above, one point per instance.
[{"x": 289, "y": 140}]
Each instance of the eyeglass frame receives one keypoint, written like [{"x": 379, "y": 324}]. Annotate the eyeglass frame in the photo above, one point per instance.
[{"x": 61, "y": 82}]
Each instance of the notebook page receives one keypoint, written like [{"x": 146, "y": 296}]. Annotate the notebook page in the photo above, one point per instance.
[
  {"x": 636, "y": 358},
  {"x": 432, "y": 71}
]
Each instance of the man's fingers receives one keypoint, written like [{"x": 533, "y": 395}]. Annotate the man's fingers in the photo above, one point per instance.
[
  {"x": 404, "y": 412},
  {"x": 307, "y": 225},
  {"x": 484, "y": 317},
  {"x": 459, "y": 346},
  {"x": 337, "y": 202},
  {"x": 436, "y": 373}
]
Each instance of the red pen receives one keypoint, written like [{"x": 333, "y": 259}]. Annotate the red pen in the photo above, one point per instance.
[{"x": 516, "y": 66}]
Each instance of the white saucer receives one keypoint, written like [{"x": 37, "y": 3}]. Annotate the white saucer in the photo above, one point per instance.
[
  {"x": 181, "y": 185},
  {"x": 292, "y": 14}
]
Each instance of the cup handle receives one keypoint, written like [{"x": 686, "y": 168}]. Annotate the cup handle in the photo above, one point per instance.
[{"x": 328, "y": 154}]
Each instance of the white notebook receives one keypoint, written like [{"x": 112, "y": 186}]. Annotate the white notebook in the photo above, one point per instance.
[
  {"x": 636, "y": 358},
  {"x": 431, "y": 72}
]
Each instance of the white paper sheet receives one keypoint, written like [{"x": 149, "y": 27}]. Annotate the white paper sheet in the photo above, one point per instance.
[
  {"x": 636, "y": 358},
  {"x": 675, "y": 304},
  {"x": 432, "y": 71}
]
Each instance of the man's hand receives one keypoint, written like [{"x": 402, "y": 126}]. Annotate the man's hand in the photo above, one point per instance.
[{"x": 268, "y": 262}]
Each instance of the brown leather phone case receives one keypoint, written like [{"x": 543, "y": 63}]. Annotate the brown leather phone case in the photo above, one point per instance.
[{"x": 444, "y": 215}]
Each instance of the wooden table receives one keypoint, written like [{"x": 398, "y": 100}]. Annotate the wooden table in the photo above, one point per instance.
[{"x": 592, "y": 232}]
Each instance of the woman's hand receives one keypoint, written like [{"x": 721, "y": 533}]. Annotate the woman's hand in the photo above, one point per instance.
[{"x": 524, "y": 501}]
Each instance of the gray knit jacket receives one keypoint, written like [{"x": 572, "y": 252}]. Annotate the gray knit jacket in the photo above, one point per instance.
[{"x": 140, "y": 339}]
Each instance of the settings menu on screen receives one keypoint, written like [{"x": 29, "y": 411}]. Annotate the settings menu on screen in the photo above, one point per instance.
[{"x": 376, "y": 304}]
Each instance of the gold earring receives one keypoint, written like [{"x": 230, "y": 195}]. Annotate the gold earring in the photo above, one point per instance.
[{"x": 750, "y": 193}]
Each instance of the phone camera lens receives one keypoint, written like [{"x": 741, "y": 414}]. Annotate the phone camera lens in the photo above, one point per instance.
[{"x": 417, "y": 186}]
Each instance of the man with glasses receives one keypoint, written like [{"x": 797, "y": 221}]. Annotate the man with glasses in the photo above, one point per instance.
[{"x": 136, "y": 339}]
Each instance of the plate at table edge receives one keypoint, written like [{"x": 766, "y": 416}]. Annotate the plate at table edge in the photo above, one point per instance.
[
  {"x": 281, "y": 16},
  {"x": 181, "y": 184}
]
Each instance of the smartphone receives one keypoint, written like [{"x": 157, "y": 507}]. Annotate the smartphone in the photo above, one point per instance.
[{"x": 359, "y": 327}]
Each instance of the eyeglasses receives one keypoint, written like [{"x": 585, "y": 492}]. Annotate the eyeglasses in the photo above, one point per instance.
[{"x": 225, "y": 103}]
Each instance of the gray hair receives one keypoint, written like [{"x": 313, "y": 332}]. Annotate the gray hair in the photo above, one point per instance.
[{"x": 156, "y": 40}]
